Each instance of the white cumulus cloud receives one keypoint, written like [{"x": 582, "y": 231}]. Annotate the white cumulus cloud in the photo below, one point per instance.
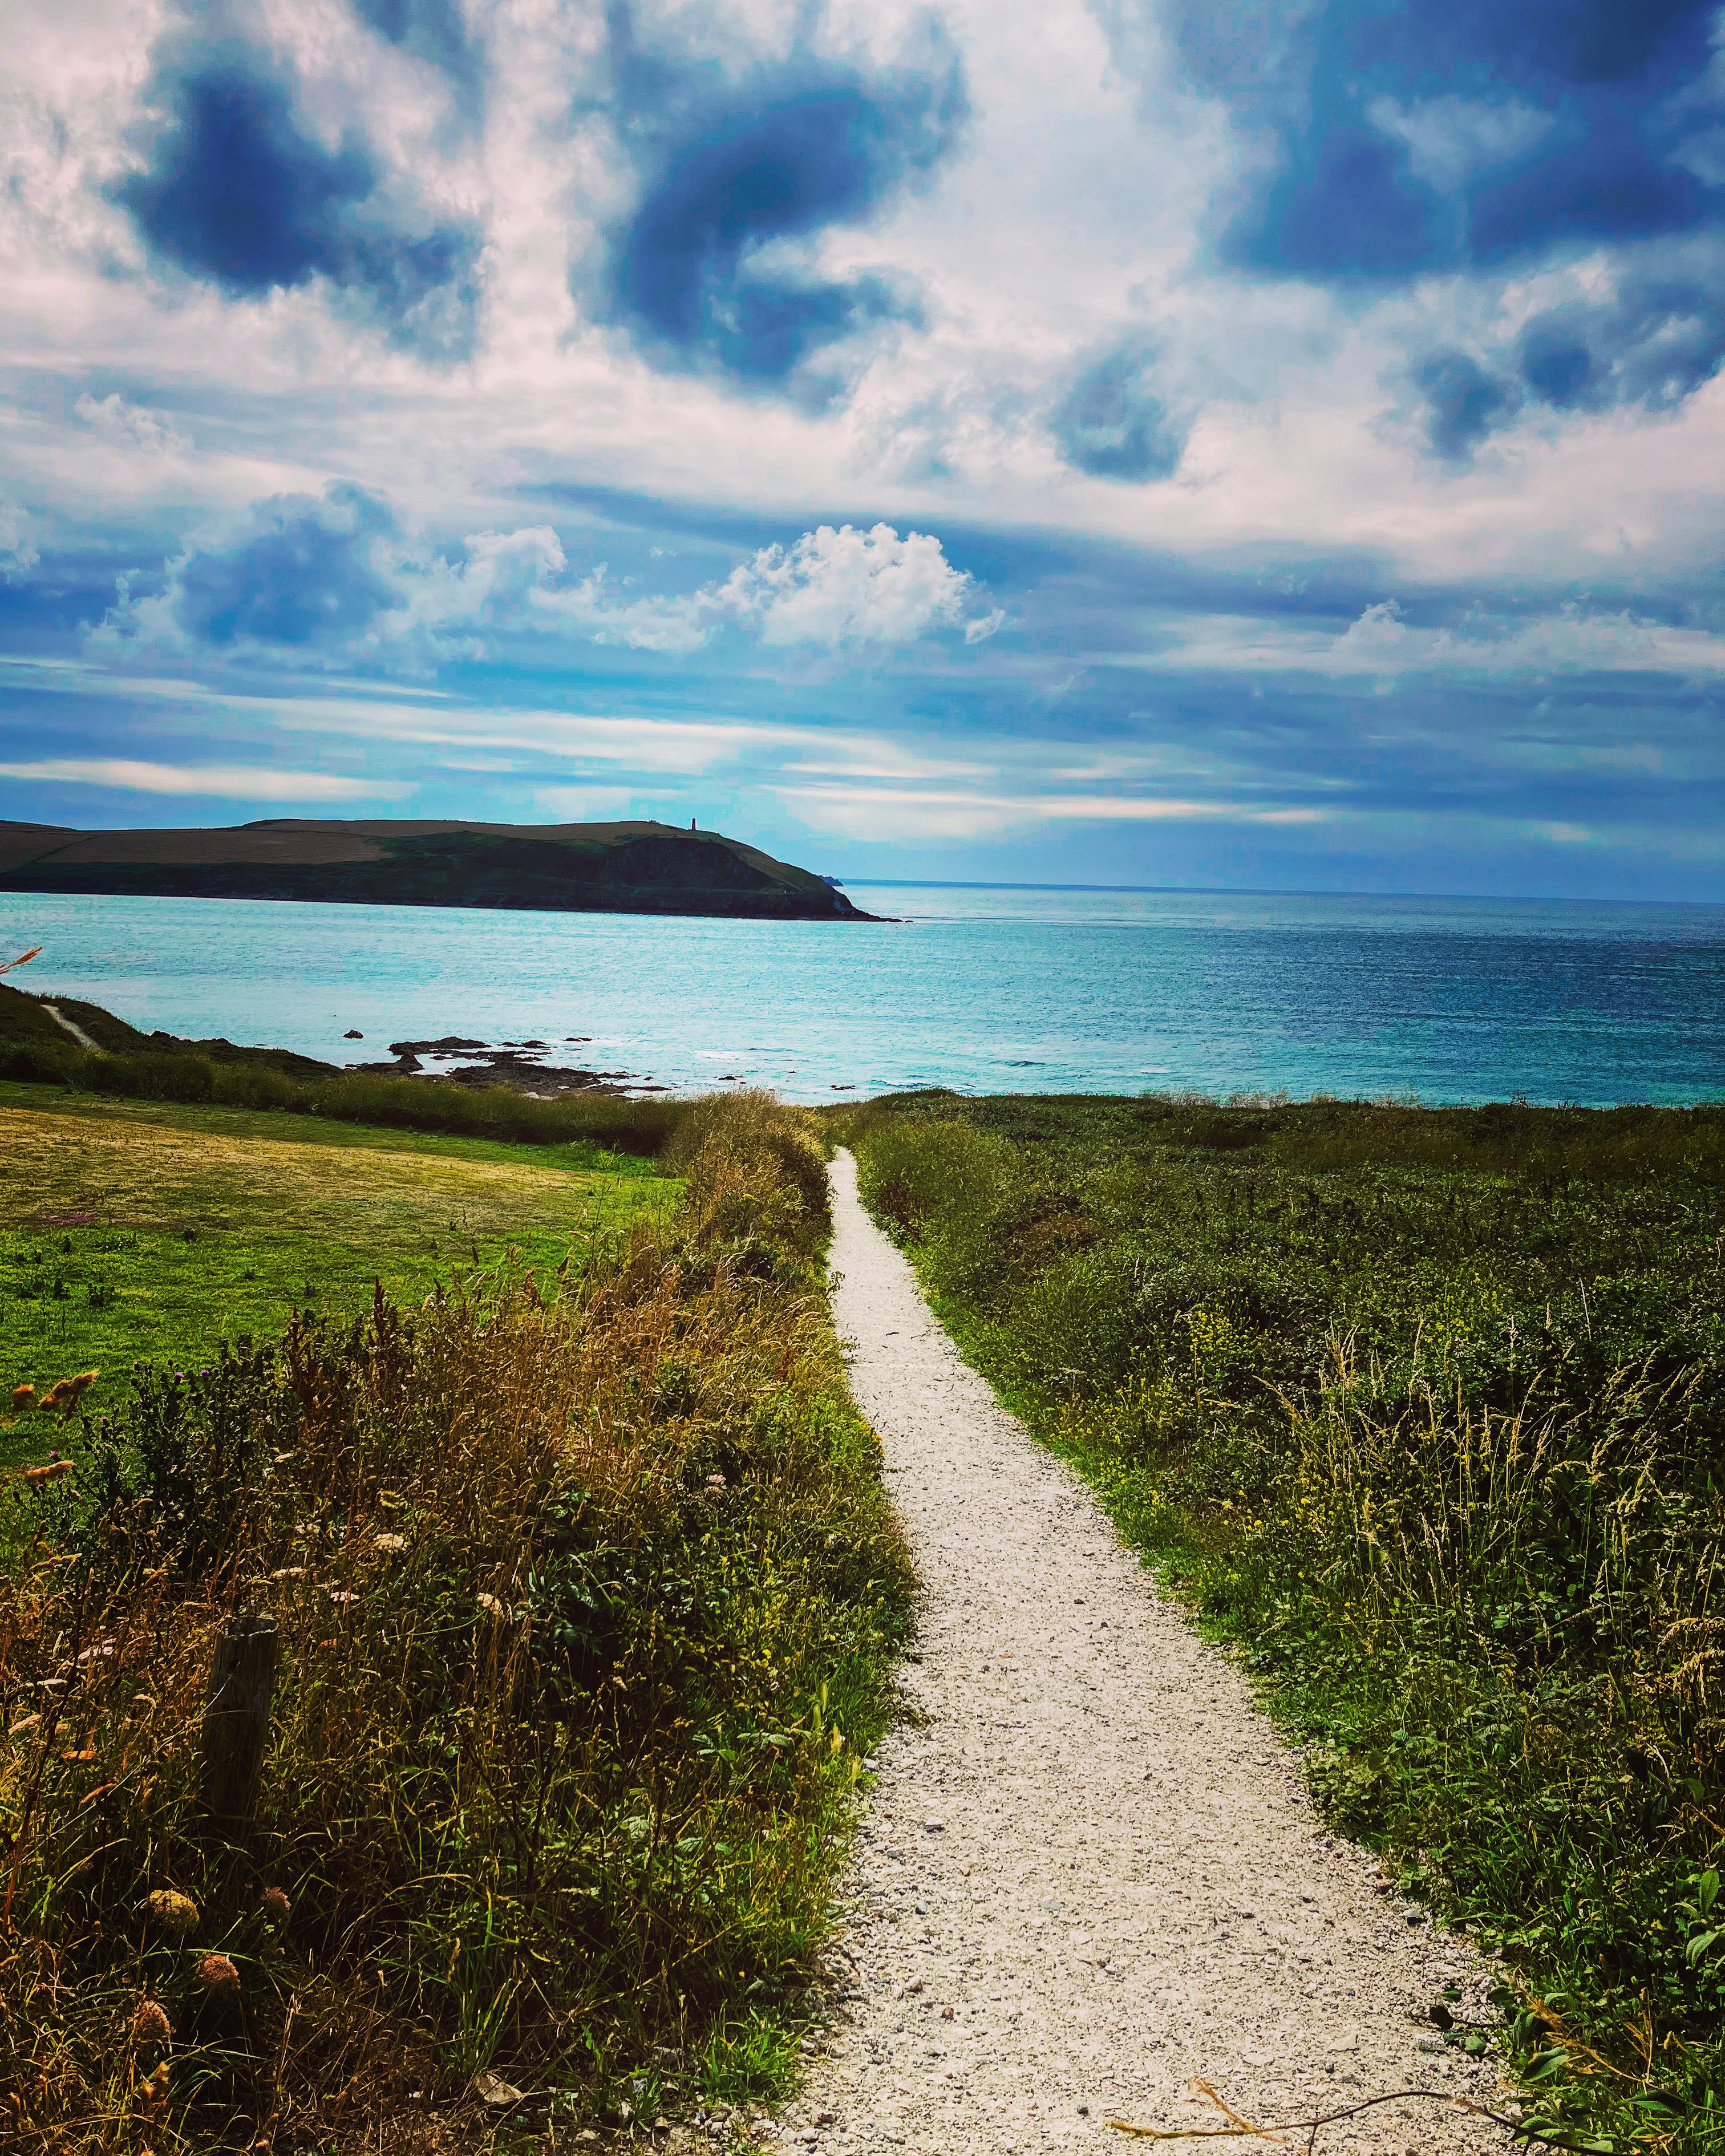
[
  {"x": 847, "y": 587},
  {"x": 336, "y": 578},
  {"x": 833, "y": 589}
]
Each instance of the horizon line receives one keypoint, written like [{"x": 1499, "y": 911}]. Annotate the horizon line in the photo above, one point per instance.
[{"x": 1253, "y": 890}]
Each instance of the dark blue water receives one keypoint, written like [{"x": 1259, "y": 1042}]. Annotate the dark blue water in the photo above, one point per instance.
[{"x": 990, "y": 989}]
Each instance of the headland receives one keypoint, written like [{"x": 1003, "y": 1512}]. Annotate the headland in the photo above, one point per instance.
[{"x": 557, "y": 868}]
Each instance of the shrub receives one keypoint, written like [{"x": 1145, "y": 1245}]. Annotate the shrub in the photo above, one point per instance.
[
  {"x": 584, "y": 1607},
  {"x": 418, "y": 1104},
  {"x": 1423, "y": 1411}
]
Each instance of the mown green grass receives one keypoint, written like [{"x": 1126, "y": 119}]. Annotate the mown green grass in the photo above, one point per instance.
[
  {"x": 1425, "y": 1414},
  {"x": 133, "y": 1231}
]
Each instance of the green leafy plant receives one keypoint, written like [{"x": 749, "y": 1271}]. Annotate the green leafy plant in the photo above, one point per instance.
[{"x": 1421, "y": 1411}]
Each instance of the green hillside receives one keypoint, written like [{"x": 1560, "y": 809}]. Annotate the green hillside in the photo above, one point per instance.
[{"x": 578, "y": 868}]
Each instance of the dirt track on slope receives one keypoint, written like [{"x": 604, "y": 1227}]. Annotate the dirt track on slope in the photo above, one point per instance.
[{"x": 1092, "y": 1875}]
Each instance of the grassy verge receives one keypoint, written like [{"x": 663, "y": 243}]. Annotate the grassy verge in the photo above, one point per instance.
[
  {"x": 1424, "y": 1412},
  {"x": 36, "y": 1050},
  {"x": 130, "y": 1232},
  {"x": 584, "y": 1606}
]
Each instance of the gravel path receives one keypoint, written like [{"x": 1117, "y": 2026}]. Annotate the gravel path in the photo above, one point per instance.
[{"x": 1092, "y": 1875}]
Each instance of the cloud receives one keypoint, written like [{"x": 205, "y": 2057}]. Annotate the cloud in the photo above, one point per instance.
[
  {"x": 834, "y": 588},
  {"x": 1381, "y": 643},
  {"x": 1345, "y": 210},
  {"x": 1579, "y": 142},
  {"x": 238, "y": 781},
  {"x": 307, "y": 573},
  {"x": 1112, "y": 423},
  {"x": 1463, "y": 403},
  {"x": 20, "y": 551},
  {"x": 1562, "y": 124},
  {"x": 1450, "y": 139},
  {"x": 124, "y": 426},
  {"x": 717, "y": 268},
  {"x": 830, "y": 590},
  {"x": 335, "y": 577},
  {"x": 887, "y": 813},
  {"x": 1654, "y": 342},
  {"x": 235, "y": 192},
  {"x": 431, "y": 30},
  {"x": 1645, "y": 340}
]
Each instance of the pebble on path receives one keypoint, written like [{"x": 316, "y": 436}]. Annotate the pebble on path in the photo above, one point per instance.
[{"x": 1089, "y": 1873}]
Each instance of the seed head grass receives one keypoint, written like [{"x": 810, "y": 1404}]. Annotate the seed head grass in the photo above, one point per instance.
[{"x": 585, "y": 1604}]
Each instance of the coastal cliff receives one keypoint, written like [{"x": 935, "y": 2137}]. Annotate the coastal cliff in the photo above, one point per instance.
[{"x": 555, "y": 868}]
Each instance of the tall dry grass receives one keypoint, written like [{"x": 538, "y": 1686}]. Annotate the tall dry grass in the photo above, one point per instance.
[{"x": 585, "y": 1606}]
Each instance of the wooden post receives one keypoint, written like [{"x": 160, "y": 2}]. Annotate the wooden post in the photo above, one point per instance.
[{"x": 236, "y": 1717}]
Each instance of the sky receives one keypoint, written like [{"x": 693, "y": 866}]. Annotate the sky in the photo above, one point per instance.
[{"x": 1198, "y": 445}]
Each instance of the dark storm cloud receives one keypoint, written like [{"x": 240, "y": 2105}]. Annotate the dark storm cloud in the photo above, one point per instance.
[
  {"x": 308, "y": 571},
  {"x": 739, "y": 180},
  {"x": 1448, "y": 135},
  {"x": 1654, "y": 344},
  {"x": 1112, "y": 423},
  {"x": 1433, "y": 135},
  {"x": 236, "y": 193},
  {"x": 1463, "y": 403}
]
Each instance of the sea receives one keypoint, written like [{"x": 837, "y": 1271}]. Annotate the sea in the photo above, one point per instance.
[{"x": 983, "y": 989}]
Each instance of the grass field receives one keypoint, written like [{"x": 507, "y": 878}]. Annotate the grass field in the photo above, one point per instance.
[
  {"x": 154, "y": 1231},
  {"x": 1424, "y": 1412}
]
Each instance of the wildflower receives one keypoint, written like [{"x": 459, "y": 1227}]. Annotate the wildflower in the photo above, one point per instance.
[
  {"x": 491, "y": 1606},
  {"x": 389, "y": 1545},
  {"x": 217, "y": 1974},
  {"x": 174, "y": 1913},
  {"x": 149, "y": 2024},
  {"x": 276, "y": 1904}
]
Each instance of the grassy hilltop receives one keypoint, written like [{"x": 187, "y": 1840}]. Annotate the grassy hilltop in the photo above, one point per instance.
[
  {"x": 1424, "y": 1411},
  {"x": 581, "y": 868}
]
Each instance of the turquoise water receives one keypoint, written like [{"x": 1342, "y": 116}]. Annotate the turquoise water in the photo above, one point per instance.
[{"x": 991, "y": 989}]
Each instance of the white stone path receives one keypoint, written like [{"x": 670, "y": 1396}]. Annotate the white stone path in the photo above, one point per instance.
[{"x": 1091, "y": 1876}]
